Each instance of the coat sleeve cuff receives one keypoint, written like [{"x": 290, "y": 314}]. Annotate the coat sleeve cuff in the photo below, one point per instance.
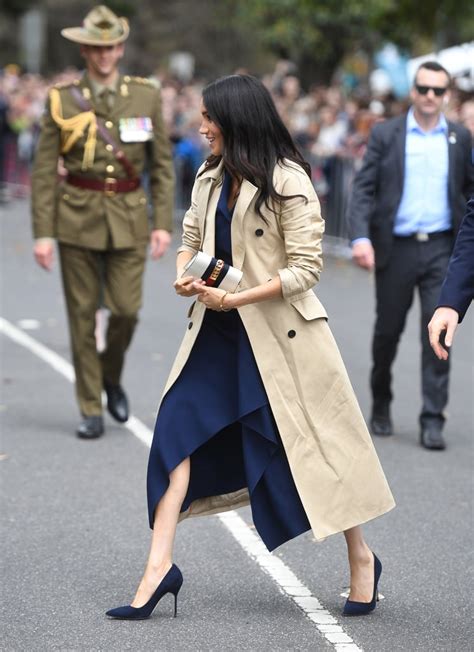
[
  {"x": 290, "y": 286},
  {"x": 186, "y": 248}
]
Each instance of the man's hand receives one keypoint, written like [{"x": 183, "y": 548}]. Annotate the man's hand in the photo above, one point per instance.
[
  {"x": 363, "y": 254},
  {"x": 160, "y": 241},
  {"x": 444, "y": 319},
  {"x": 44, "y": 253}
]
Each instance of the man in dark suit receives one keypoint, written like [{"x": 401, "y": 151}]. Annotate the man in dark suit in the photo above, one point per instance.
[
  {"x": 458, "y": 288},
  {"x": 408, "y": 200}
]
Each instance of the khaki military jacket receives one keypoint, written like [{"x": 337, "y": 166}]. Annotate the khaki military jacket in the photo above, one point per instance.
[
  {"x": 332, "y": 459},
  {"x": 90, "y": 218}
]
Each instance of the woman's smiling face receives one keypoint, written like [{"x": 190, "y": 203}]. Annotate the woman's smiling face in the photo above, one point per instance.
[{"x": 211, "y": 132}]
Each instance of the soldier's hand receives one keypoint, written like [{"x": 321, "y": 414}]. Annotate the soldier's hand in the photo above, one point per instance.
[
  {"x": 444, "y": 319},
  {"x": 44, "y": 254},
  {"x": 160, "y": 241},
  {"x": 363, "y": 254}
]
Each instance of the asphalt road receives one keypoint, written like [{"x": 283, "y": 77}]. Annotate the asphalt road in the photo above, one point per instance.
[{"x": 75, "y": 536}]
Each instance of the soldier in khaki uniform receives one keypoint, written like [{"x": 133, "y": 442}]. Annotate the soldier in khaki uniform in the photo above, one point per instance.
[{"x": 107, "y": 128}]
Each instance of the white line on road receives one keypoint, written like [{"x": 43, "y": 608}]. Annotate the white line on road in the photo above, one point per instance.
[{"x": 281, "y": 574}]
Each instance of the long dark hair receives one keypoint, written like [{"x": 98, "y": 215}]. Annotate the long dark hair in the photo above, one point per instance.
[{"x": 255, "y": 138}]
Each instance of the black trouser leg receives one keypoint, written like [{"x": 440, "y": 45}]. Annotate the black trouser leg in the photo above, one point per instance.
[
  {"x": 394, "y": 285},
  {"x": 435, "y": 373}
]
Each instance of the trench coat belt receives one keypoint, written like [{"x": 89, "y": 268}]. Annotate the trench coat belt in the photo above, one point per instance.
[{"x": 109, "y": 186}]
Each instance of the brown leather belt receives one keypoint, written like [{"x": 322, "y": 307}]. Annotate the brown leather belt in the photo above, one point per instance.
[{"x": 109, "y": 186}]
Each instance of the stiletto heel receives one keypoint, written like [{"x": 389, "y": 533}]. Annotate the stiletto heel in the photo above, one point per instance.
[
  {"x": 353, "y": 608},
  {"x": 171, "y": 583}
]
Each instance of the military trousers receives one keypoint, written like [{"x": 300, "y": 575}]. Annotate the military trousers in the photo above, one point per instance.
[{"x": 113, "y": 278}]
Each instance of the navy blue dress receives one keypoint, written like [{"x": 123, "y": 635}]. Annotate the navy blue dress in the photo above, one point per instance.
[{"x": 217, "y": 412}]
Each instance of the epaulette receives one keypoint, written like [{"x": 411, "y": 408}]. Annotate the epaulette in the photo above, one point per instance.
[
  {"x": 138, "y": 80},
  {"x": 61, "y": 85}
]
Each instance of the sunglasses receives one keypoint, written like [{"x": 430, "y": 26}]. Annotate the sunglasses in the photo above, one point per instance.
[{"x": 437, "y": 90}]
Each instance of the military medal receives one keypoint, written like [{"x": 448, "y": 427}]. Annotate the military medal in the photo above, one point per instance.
[{"x": 135, "y": 130}]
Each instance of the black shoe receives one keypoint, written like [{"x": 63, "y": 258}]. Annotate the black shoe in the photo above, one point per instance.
[
  {"x": 381, "y": 425},
  {"x": 117, "y": 403},
  {"x": 171, "y": 583},
  {"x": 352, "y": 608},
  {"x": 431, "y": 437},
  {"x": 90, "y": 427}
]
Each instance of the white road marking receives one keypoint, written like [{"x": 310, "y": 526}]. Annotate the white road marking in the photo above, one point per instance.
[
  {"x": 288, "y": 583},
  {"x": 29, "y": 324},
  {"x": 281, "y": 574}
]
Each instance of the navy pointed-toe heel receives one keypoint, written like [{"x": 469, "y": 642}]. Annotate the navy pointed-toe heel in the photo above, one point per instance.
[
  {"x": 171, "y": 583},
  {"x": 352, "y": 608}
]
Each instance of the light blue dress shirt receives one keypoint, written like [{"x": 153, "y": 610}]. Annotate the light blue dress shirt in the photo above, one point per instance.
[{"x": 424, "y": 206}]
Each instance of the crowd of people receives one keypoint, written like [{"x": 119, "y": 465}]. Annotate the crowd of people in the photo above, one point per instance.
[{"x": 330, "y": 125}]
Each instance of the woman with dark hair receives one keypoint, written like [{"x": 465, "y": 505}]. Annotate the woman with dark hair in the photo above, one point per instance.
[{"x": 258, "y": 407}]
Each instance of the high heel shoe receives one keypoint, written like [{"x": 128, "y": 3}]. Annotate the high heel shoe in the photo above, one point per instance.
[
  {"x": 171, "y": 583},
  {"x": 352, "y": 608}
]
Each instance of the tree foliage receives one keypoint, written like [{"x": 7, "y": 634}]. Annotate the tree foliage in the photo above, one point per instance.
[{"x": 320, "y": 33}]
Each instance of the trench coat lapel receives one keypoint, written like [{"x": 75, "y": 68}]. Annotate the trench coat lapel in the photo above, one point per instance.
[
  {"x": 247, "y": 193},
  {"x": 208, "y": 201}
]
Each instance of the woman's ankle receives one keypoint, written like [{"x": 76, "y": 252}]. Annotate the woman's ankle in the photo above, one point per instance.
[
  {"x": 360, "y": 554},
  {"x": 158, "y": 568}
]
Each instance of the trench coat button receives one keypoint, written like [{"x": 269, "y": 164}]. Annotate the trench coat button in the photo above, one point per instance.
[
  {"x": 109, "y": 147},
  {"x": 142, "y": 200},
  {"x": 190, "y": 325},
  {"x": 291, "y": 333},
  {"x": 109, "y": 124},
  {"x": 109, "y": 168},
  {"x": 259, "y": 232},
  {"x": 66, "y": 196}
]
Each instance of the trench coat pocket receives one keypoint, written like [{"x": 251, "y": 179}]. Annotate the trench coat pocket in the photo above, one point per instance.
[{"x": 309, "y": 306}]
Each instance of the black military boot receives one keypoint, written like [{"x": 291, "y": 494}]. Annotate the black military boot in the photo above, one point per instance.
[
  {"x": 90, "y": 427},
  {"x": 117, "y": 403}
]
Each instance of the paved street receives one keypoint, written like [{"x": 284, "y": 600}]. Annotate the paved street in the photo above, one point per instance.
[{"x": 75, "y": 535}]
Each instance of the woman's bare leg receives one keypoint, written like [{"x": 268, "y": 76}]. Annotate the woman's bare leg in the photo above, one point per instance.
[
  {"x": 167, "y": 511},
  {"x": 361, "y": 562}
]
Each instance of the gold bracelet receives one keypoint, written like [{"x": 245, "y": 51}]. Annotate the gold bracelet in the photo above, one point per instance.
[{"x": 221, "y": 303}]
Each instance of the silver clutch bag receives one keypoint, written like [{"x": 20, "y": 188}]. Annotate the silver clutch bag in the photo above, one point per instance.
[{"x": 214, "y": 271}]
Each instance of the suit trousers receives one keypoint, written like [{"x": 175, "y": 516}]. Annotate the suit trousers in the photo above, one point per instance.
[
  {"x": 90, "y": 279},
  {"x": 412, "y": 265}
]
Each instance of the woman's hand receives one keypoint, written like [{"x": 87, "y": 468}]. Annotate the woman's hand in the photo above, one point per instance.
[
  {"x": 187, "y": 286},
  {"x": 210, "y": 297}
]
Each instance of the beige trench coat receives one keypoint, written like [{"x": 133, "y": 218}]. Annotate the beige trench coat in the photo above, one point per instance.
[{"x": 332, "y": 459}]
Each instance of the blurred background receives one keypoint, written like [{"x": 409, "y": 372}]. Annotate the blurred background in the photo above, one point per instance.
[{"x": 334, "y": 68}]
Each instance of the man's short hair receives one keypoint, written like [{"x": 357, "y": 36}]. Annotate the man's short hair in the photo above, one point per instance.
[{"x": 432, "y": 65}]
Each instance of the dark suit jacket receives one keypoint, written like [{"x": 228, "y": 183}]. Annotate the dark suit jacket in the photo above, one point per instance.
[
  {"x": 378, "y": 186},
  {"x": 458, "y": 288}
]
